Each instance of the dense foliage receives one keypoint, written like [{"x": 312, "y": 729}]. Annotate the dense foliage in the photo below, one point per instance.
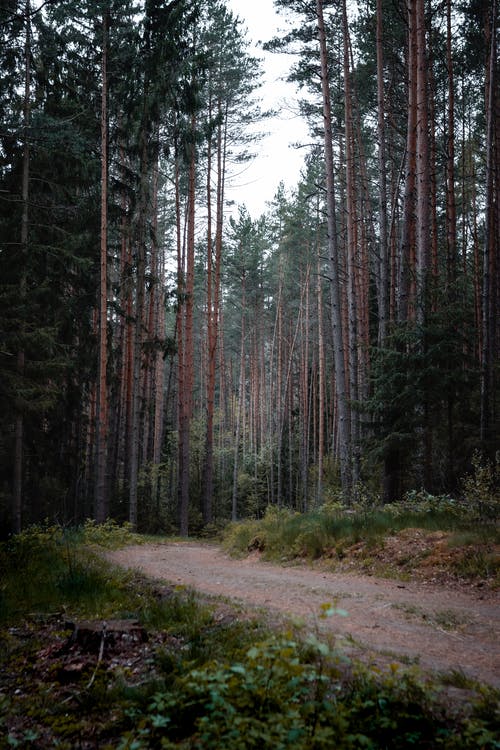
[{"x": 168, "y": 359}]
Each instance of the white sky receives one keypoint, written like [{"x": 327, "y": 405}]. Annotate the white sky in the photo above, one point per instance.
[{"x": 276, "y": 159}]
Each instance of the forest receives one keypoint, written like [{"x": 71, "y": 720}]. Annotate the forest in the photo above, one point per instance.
[{"x": 168, "y": 360}]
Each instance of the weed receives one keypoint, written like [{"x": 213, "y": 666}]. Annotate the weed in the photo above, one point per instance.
[
  {"x": 477, "y": 563},
  {"x": 458, "y": 679},
  {"x": 446, "y": 619},
  {"x": 109, "y": 534}
]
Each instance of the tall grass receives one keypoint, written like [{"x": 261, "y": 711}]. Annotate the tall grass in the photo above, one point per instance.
[{"x": 284, "y": 534}]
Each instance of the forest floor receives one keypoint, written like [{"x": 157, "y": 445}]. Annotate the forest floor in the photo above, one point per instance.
[{"x": 437, "y": 623}]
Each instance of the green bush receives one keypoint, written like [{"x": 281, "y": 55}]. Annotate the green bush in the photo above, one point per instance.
[
  {"x": 481, "y": 489},
  {"x": 272, "y": 698}
]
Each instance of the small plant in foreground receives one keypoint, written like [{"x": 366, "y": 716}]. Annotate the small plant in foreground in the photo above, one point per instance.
[{"x": 272, "y": 698}]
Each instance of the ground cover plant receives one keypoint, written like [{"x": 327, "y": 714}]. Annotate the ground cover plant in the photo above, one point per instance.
[{"x": 203, "y": 675}]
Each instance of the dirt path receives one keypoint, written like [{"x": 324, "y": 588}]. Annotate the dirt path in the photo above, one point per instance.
[{"x": 439, "y": 628}]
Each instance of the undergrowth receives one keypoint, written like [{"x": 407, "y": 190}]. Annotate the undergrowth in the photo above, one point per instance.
[
  {"x": 46, "y": 568},
  {"x": 209, "y": 681},
  {"x": 333, "y": 530}
]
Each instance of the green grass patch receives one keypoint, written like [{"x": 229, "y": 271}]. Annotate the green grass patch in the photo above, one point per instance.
[
  {"x": 332, "y": 530},
  {"x": 48, "y": 569}
]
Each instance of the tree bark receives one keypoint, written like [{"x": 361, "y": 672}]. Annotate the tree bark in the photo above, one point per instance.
[
  {"x": 343, "y": 413},
  {"x": 406, "y": 270},
  {"x": 240, "y": 408},
  {"x": 135, "y": 417},
  {"x": 490, "y": 247},
  {"x": 186, "y": 402},
  {"x": 383, "y": 259},
  {"x": 20, "y": 364},
  {"x": 101, "y": 494}
]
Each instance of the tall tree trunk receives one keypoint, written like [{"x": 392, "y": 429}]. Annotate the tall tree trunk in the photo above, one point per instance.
[
  {"x": 240, "y": 407},
  {"x": 19, "y": 422},
  {"x": 353, "y": 265},
  {"x": 207, "y": 488},
  {"x": 279, "y": 396},
  {"x": 451, "y": 221},
  {"x": 491, "y": 242},
  {"x": 383, "y": 260},
  {"x": 101, "y": 490},
  {"x": 186, "y": 397},
  {"x": 451, "y": 210},
  {"x": 343, "y": 422},
  {"x": 304, "y": 422},
  {"x": 423, "y": 234},
  {"x": 321, "y": 388},
  {"x": 406, "y": 270},
  {"x": 159, "y": 365},
  {"x": 135, "y": 418},
  {"x": 213, "y": 312}
]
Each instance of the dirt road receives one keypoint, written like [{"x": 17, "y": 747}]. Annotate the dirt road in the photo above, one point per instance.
[{"x": 439, "y": 628}]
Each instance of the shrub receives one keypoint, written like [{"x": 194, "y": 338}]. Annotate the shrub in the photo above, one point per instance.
[
  {"x": 481, "y": 489},
  {"x": 272, "y": 698}
]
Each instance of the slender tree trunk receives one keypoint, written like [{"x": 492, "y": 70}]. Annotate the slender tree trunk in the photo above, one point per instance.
[
  {"x": 451, "y": 221},
  {"x": 158, "y": 329},
  {"x": 490, "y": 246},
  {"x": 351, "y": 255},
  {"x": 186, "y": 404},
  {"x": 321, "y": 388},
  {"x": 135, "y": 418},
  {"x": 423, "y": 235},
  {"x": 383, "y": 260},
  {"x": 304, "y": 427},
  {"x": 240, "y": 408},
  {"x": 344, "y": 437},
  {"x": 101, "y": 491},
  {"x": 20, "y": 365},
  {"x": 404, "y": 293},
  {"x": 279, "y": 398},
  {"x": 213, "y": 313},
  {"x": 406, "y": 270}
]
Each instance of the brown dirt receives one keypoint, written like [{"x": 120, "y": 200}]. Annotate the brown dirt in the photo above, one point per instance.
[{"x": 440, "y": 627}]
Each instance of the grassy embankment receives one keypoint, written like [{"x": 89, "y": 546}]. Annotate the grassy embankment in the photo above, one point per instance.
[{"x": 431, "y": 538}]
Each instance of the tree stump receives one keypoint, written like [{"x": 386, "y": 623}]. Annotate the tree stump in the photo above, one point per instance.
[{"x": 90, "y": 634}]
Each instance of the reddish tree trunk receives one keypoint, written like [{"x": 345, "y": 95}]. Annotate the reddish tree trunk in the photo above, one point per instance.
[{"x": 101, "y": 496}]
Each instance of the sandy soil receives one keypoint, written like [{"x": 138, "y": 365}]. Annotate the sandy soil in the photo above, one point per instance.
[{"x": 438, "y": 627}]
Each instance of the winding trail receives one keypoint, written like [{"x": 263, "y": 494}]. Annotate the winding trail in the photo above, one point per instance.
[{"x": 440, "y": 628}]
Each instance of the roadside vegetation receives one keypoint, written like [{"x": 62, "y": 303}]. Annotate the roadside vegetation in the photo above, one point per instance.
[
  {"x": 201, "y": 673},
  {"x": 423, "y": 536}
]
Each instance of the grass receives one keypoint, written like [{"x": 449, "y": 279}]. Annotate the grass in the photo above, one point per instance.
[
  {"x": 446, "y": 619},
  {"x": 333, "y": 532}
]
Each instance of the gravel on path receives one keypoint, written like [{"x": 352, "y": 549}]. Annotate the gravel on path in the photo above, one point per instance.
[{"x": 440, "y": 628}]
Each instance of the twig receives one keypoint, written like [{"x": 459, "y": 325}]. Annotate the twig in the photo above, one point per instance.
[{"x": 99, "y": 658}]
